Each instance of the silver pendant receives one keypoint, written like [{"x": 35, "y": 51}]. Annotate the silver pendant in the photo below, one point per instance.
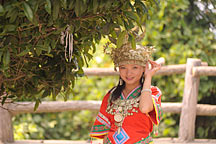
[
  {"x": 120, "y": 109},
  {"x": 118, "y": 117}
]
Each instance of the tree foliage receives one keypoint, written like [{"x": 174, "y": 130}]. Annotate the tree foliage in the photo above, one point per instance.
[
  {"x": 74, "y": 125},
  {"x": 32, "y": 58},
  {"x": 184, "y": 29},
  {"x": 179, "y": 30}
]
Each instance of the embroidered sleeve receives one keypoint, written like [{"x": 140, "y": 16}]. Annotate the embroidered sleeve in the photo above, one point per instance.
[
  {"x": 156, "y": 113},
  {"x": 102, "y": 123}
]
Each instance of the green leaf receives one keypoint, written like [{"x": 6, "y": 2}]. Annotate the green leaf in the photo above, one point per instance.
[
  {"x": 78, "y": 7},
  {"x": 13, "y": 15},
  {"x": 36, "y": 104},
  {"x": 53, "y": 94},
  {"x": 1, "y": 9},
  {"x": 10, "y": 28},
  {"x": 28, "y": 11},
  {"x": 9, "y": 12},
  {"x": 86, "y": 62},
  {"x": 6, "y": 58},
  {"x": 157, "y": 3},
  {"x": 49, "y": 49},
  {"x": 121, "y": 38},
  {"x": 4, "y": 99},
  {"x": 113, "y": 33},
  {"x": 95, "y": 6},
  {"x": 145, "y": 10},
  {"x": 1, "y": 53},
  {"x": 45, "y": 94},
  {"x": 38, "y": 51},
  {"x": 34, "y": 5},
  {"x": 71, "y": 4},
  {"x": 43, "y": 48},
  {"x": 53, "y": 44},
  {"x": 126, "y": 25},
  {"x": 131, "y": 25},
  {"x": 56, "y": 8},
  {"x": 49, "y": 55},
  {"x": 133, "y": 42},
  {"x": 64, "y": 4},
  {"x": 89, "y": 56},
  {"x": 24, "y": 52},
  {"x": 48, "y": 6},
  {"x": 131, "y": 15},
  {"x": 80, "y": 61},
  {"x": 93, "y": 46},
  {"x": 120, "y": 21},
  {"x": 131, "y": 6}
]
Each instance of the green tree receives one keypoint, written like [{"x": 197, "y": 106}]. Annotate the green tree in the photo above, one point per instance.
[
  {"x": 74, "y": 125},
  {"x": 184, "y": 29},
  {"x": 177, "y": 34},
  {"x": 34, "y": 63}
]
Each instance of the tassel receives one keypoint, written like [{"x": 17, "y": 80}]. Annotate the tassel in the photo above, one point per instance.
[
  {"x": 156, "y": 131},
  {"x": 68, "y": 44},
  {"x": 70, "y": 47},
  {"x": 119, "y": 129},
  {"x": 91, "y": 140}
]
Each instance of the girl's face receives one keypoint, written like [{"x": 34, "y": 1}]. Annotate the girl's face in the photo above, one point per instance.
[{"x": 131, "y": 73}]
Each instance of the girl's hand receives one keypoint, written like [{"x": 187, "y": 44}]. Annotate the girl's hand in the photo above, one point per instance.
[{"x": 154, "y": 68}]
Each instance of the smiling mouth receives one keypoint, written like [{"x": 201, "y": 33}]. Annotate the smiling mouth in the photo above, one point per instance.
[{"x": 129, "y": 78}]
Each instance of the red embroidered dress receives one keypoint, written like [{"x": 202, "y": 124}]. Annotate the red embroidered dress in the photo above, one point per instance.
[{"x": 136, "y": 128}]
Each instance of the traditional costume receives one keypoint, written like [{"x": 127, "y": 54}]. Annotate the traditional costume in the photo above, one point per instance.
[{"x": 121, "y": 120}]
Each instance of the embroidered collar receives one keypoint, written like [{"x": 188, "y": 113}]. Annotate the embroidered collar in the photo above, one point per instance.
[{"x": 133, "y": 94}]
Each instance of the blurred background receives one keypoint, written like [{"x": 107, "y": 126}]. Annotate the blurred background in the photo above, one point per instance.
[{"x": 179, "y": 29}]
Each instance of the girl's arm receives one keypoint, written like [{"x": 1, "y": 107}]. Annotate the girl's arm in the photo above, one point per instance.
[{"x": 146, "y": 104}]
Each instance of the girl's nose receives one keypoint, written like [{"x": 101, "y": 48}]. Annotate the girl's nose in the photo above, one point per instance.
[{"x": 128, "y": 72}]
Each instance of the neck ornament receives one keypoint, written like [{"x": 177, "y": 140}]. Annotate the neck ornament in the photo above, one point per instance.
[{"x": 122, "y": 108}]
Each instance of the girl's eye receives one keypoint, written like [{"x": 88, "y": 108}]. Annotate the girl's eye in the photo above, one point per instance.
[
  {"x": 134, "y": 67},
  {"x": 122, "y": 67}
]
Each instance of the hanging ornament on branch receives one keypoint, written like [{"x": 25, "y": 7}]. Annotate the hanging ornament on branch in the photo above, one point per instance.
[{"x": 67, "y": 39}]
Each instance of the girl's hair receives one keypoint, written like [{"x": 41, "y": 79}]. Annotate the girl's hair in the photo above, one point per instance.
[{"x": 119, "y": 88}]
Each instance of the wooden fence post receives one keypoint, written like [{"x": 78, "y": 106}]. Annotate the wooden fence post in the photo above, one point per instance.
[
  {"x": 6, "y": 127},
  {"x": 188, "y": 112}
]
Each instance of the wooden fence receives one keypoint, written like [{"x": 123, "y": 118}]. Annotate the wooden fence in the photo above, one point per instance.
[{"x": 188, "y": 109}]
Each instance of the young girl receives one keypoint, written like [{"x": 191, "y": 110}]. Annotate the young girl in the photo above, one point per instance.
[{"x": 129, "y": 110}]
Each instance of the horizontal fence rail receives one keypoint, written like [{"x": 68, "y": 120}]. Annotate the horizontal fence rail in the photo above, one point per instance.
[
  {"x": 165, "y": 70},
  {"x": 61, "y": 106},
  {"x": 204, "y": 71}
]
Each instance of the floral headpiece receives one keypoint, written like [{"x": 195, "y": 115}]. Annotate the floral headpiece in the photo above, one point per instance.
[{"x": 127, "y": 55}]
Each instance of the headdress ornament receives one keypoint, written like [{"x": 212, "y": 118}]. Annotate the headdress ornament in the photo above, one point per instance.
[{"x": 128, "y": 55}]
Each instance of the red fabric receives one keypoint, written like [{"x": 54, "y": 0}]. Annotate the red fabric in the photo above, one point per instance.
[{"x": 136, "y": 127}]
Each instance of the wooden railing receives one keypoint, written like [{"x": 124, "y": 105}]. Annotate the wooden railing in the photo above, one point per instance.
[{"x": 188, "y": 108}]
